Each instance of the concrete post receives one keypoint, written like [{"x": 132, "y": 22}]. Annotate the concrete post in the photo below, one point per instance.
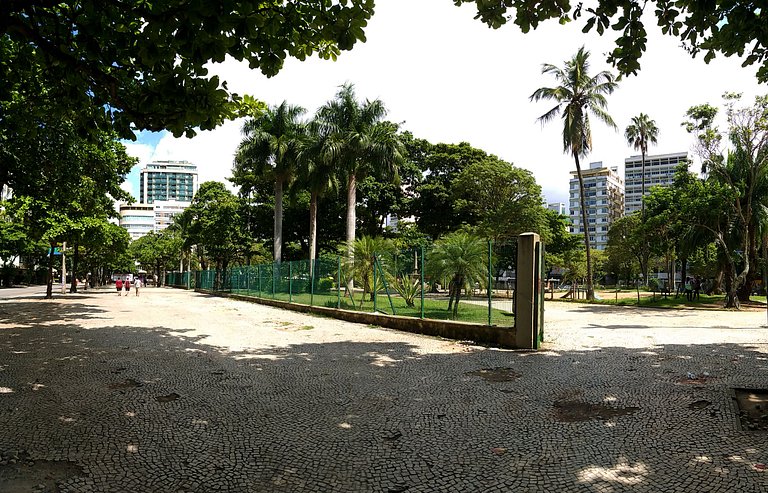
[{"x": 526, "y": 291}]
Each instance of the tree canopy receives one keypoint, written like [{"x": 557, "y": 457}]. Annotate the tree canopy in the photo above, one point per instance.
[
  {"x": 144, "y": 65},
  {"x": 725, "y": 27}
]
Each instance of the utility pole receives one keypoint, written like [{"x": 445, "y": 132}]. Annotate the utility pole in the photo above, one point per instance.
[{"x": 63, "y": 268}]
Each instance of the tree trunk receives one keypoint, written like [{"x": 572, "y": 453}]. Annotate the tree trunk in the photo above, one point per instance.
[
  {"x": 459, "y": 284},
  {"x": 351, "y": 220},
  {"x": 75, "y": 263},
  {"x": 312, "y": 233},
  {"x": 277, "y": 241},
  {"x": 683, "y": 271},
  {"x": 585, "y": 226},
  {"x": 642, "y": 187}
]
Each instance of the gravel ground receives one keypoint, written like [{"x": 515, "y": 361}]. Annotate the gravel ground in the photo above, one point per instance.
[{"x": 181, "y": 392}]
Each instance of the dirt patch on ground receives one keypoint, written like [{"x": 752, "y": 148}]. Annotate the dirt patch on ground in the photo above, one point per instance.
[
  {"x": 569, "y": 411},
  {"x": 753, "y": 408},
  {"x": 128, "y": 383},
  {"x": 20, "y": 473},
  {"x": 494, "y": 375}
]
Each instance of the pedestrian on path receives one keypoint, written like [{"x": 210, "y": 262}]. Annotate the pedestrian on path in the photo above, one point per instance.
[
  {"x": 119, "y": 286},
  {"x": 137, "y": 285},
  {"x": 127, "y": 285}
]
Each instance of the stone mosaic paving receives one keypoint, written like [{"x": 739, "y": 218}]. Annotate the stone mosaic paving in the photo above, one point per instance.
[{"x": 178, "y": 392}]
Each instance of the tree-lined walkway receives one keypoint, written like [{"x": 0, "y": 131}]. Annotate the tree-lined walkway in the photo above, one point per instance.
[{"x": 176, "y": 391}]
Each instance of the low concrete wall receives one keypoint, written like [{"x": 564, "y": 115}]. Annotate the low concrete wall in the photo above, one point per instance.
[{"x": 498, "y": 336}]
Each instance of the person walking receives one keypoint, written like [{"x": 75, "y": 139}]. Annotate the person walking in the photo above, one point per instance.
[
  {"x": 137, "y": 285},
  {"x": 127, "y": 285},
  {"x": 119, "y": 286},
  {"x": 688, "y": 289}
]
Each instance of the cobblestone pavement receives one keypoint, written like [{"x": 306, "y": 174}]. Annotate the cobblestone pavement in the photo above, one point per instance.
[{"x": 179, "y": 392}]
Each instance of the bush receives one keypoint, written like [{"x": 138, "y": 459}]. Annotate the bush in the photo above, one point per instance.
[{"x": 324, "y": 284}]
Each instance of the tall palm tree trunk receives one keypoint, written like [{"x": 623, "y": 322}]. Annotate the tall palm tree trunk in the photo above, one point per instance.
[
  {"x": 642, "y": 187},
  {"x": 312, "y": 233},
  {"x": 277, "y": 241},
  {"x": 585, "y": 226},
  {"x": 351, "y": 219}
]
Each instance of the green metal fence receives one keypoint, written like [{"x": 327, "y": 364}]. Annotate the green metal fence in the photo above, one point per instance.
[{"x": 395, "y": 283}]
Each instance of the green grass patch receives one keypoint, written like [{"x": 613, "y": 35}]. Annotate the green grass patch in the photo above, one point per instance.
[{"x": 433, "y": 308}]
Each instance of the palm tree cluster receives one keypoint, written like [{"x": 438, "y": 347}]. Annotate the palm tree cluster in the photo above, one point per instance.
[{"x": 345, "y": 141}]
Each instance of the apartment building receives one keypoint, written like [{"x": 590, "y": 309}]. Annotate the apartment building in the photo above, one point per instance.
[
  {"x": 168, "y": 180},
  {"x": 604, "y": 195},
  {"x": 166, "y": 189},
  {"x": 659, "y": 170}
]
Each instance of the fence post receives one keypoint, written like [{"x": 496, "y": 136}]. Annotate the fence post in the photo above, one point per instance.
[
  {"x": 422, "y": 281},
  {"x": 373, "y": 289},
  {"x": 338, "y": 284},
  {"x": 526, "y": 291},
  {"x": 490, "y": 268},
  {"x": 290, "y": 281},
  {"x": 273, "y": 280}
]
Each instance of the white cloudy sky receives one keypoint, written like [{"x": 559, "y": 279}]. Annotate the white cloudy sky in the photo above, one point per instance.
[{"x": 449, "y": 78}]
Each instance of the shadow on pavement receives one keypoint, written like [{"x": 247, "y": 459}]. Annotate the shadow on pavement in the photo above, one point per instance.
[{"x": 151, "y": 409}]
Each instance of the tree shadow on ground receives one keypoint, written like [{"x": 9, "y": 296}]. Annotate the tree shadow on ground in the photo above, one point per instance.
[{"x": 156, "y": 409}]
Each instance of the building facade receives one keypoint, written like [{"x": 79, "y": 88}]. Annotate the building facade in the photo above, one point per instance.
[
  {"x": 604, "y": 196},
  {"x": 558, "y": 207},
  {"x": 166, "y": 189},
  {"x": 137, "y": 219},
  {"x": 659, "y": 170},
  {"x": 168, "y": 181}
]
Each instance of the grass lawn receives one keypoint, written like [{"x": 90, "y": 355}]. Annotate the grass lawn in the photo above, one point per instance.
[{"x": 434, "y": 309}]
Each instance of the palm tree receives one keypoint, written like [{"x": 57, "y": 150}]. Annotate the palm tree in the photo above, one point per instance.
[
  {"x": 641, "y": 132},
  {"x": 270, "y": 146},
  {"x": 318, "y": 176},
  {"x": 463, "y": 258},
  {"x": 358, "y": 143},
  {"x": 577, "y": 96}
]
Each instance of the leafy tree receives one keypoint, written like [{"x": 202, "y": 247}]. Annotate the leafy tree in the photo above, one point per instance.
[
  {"x": 731, "y": 203},
  {"x": 577, "y": 95},
  {"x": 434, "y": 205},
  {"x": 217, "y": 225},
  {"x": 462, "y": 258},
  {"x": 359, "y": 143},
  {"x": 560, "y": 242},
  {"x": 628, "y": 249},
  {"x": 501, "y": 200},
  {"x": 641, "y": 132},
  {"x": 144, "y": 65},
  {"x": 270, "y": 147},
  {"x": 728, "y": 28},
  {"x": 157, "y": 251}
]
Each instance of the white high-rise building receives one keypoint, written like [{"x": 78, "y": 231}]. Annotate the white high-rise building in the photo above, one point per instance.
[
  {"x": 166, "y": 189},
  {"x": 659, "y": 170},
  {"x": 604, "y": 195},
  {"x": 558, "y": 207}
]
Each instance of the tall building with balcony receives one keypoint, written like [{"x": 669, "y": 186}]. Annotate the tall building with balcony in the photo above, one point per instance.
[
  {"x": 168, "y": 180},
  {"x": 604, "y": 196},
  {"x": 659, "y": 170},
  {"x": 166, "y": 189}
]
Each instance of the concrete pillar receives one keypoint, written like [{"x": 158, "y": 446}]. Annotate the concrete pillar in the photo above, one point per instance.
[{"x": 526, "y": 291}]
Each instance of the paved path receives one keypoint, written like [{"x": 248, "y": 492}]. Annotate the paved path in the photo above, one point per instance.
[{"x": 174, "y": 391}]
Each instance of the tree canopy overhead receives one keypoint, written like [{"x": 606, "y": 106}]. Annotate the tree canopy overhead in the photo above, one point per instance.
[
  {"x": 718, "y": 26},
  {"x": 144, "y": 63}
]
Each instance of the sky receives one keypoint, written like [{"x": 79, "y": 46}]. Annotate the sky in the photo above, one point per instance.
[{"x": 449, "y": 78}]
